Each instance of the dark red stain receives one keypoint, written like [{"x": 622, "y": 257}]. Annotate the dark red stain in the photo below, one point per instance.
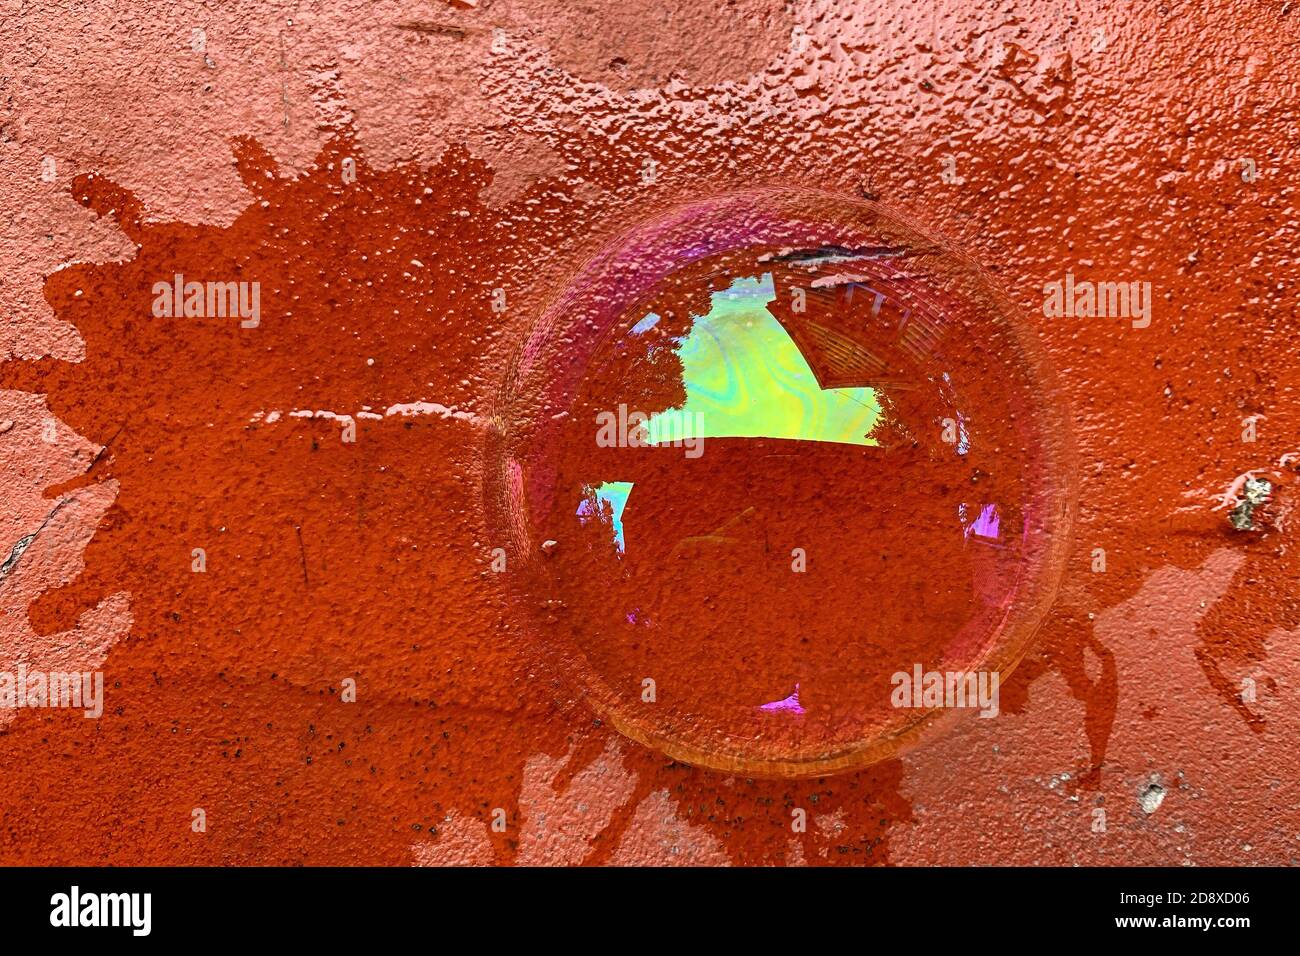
[
  {"x": 324, "y": 560},
  {"x": 370, "y": 560}
]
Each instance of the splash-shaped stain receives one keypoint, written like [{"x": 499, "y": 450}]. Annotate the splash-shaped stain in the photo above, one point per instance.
[{"x": 322, "y": 557}]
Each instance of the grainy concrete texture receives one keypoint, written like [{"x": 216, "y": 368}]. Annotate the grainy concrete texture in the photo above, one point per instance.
[{"x": 500, "y": 144}]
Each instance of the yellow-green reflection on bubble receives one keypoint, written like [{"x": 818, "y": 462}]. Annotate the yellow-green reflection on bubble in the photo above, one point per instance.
[{"x": 744, "y": 377}]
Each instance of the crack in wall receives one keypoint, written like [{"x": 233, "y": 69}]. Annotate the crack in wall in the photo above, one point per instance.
[{"x": 26, "y": 541}]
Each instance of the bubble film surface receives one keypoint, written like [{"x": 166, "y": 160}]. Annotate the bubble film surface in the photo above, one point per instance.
[{"x": 744, "y": 417}]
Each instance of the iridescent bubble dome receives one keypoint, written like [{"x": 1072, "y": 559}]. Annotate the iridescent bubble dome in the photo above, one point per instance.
[{"x": 784, "y": 450}]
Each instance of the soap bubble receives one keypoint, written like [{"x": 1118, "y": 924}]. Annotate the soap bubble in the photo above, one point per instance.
[{"x": 763, "y": 375}]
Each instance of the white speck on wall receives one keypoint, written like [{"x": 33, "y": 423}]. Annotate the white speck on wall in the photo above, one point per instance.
[{"x": 1152, "y": 797}]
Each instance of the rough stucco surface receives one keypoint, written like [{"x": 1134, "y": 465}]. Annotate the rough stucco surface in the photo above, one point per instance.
[{"x": 498, "y": 143}]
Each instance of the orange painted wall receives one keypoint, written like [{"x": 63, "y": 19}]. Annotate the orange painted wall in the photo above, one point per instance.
[{"x": 499, "y": 145}]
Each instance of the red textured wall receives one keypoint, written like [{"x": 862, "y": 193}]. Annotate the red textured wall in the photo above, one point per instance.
[{"x": 500, "y": 145}]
